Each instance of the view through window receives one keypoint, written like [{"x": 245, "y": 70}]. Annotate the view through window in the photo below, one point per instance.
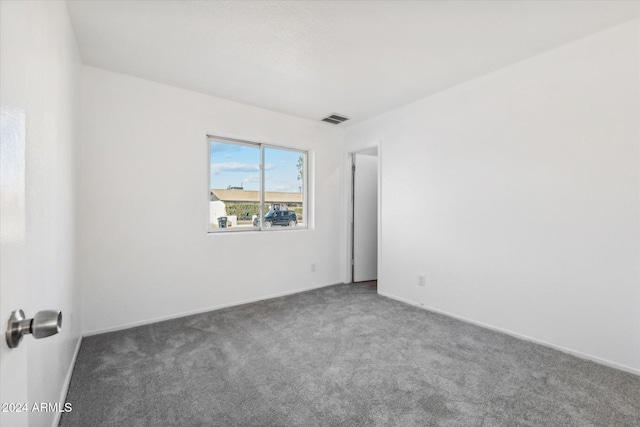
[{"x": 256, "y": 186}]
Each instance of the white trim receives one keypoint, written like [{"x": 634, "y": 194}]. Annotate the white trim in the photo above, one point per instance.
[
  {"x": 208, "y": 181},
  {"x": 207, "y": 309},
  {"x": 348, "y": 206},
  {"x": 67, "y": 382},
  {"x": 379, "y": 249},
  {"x": 576, "y": 353},
  {"x": 305, "y": 195},
  {"x": 261, "y": 196}
]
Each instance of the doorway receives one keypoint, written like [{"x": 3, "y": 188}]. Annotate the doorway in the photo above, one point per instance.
[{"x": 364, "y": 215}]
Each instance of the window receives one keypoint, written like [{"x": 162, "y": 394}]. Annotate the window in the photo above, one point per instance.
[{"x": 256, "y": 186}]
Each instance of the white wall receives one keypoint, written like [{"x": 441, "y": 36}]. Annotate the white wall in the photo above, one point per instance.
[
  {"x": 526, "y": 187},
  {"x": 46, "y": 82},
  {"x": 144, "y": 250}
]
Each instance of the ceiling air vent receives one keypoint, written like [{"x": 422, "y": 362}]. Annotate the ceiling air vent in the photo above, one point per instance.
[{"x": 335, "y": 119}]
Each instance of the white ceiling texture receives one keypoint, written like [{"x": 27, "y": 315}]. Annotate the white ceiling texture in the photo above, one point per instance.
[{"x": 312, "y": 58}]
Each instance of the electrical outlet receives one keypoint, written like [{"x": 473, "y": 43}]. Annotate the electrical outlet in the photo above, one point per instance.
[
  {"x": 313, "y": 267},
  {"x": 421, "y": 280}
]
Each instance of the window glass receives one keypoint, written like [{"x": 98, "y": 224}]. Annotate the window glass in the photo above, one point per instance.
[
  {"x": 284, "y": 184},
  {"x": 235, "y": 185}
]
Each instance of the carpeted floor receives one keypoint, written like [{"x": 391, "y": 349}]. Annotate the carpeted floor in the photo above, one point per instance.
[{"x": 337, "y": 356}]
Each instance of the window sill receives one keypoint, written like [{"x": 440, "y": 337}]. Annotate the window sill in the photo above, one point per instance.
[{"x": 273, "y": 229}]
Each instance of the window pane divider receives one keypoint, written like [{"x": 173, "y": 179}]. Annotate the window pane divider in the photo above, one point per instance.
[{"x": 262, "y": 194}]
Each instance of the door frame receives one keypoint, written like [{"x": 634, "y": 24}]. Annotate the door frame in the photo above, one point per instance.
[{"x": 350, "y": 209}]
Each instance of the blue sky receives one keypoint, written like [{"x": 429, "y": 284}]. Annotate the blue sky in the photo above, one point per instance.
[{"x": 238, "y": 165}]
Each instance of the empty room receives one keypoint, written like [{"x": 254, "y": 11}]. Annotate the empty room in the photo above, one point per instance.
[{"x": 320, "y": 213}]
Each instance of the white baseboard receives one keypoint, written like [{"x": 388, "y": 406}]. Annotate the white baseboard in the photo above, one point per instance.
[
  {"x": 572, "y": 352},
  {"x": 204, "y": 310},
  {"x": 67, "y": 382}
]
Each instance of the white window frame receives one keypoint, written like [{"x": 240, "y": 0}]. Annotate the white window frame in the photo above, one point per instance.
[{"x": 261, "y": 196}]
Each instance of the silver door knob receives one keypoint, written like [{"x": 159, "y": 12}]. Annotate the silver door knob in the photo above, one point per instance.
[{"x": 44, "y": 324}]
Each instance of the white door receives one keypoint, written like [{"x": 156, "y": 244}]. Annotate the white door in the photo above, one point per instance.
[
  {"x": 13, "y": 362},
  {"x": 365, "y": 217}
]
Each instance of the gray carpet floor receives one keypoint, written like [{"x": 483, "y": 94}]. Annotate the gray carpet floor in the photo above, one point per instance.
[{"x": 337, "y": 356}]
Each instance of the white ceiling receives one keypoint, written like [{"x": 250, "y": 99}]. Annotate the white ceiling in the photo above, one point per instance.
[{"x": 312, "y": 58}]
